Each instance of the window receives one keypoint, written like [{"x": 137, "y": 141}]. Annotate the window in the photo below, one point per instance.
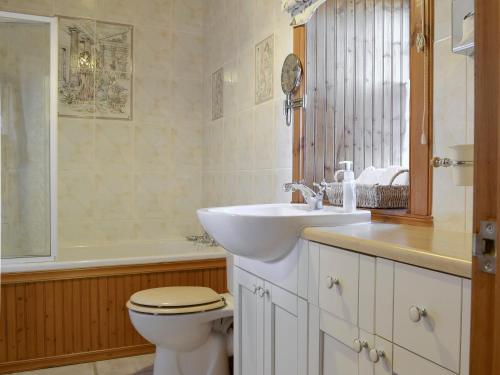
[{"x": 359, "y": 59}]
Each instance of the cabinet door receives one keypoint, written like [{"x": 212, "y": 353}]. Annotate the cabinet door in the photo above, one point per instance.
[
  {"x": 249, "y": 324},
  {"x": 334, "y": 346},
  {"x": 285, "y": 332},
  {"x": 339, "y": 283},
  {"x": 408, "y": 363}
]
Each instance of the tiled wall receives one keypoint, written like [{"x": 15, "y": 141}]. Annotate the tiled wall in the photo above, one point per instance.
[
  {"x": 136, "y": 180},
  {"x": 247, "y": 154},
  {"x": 453, "y": 122}
]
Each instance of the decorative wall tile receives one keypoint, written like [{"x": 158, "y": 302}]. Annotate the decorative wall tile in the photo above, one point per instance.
[
  {"x": 218, "y": 94},
  {"x": 95, "y": 68},
  {"x": 77, "y": 67},
  {"x": 264, "y": 65}
]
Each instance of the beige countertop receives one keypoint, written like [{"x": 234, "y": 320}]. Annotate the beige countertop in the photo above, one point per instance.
[{"x": 439, "y": 250}]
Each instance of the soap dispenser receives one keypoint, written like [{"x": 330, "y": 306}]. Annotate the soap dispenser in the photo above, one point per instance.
[{"x": 348, "y": 187}]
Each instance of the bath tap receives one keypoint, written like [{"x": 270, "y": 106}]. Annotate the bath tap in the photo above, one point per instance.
[
  {"x": 312, "y": 198},
  {"x": 204, "y": 239}
]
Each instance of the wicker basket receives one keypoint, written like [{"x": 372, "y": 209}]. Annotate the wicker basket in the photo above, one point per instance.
[{"x": 374, "y": 196}]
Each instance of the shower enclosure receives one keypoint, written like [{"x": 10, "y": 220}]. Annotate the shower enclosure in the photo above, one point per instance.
[{"x": 28, "y": 115}]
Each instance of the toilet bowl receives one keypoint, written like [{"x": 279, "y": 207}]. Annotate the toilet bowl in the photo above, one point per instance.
[{"x": 185, "y": 325}]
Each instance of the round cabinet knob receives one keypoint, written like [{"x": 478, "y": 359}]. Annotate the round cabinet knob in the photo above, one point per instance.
[
  {"x": 417, "y": 313},
  {"x": 263, "y": 292},
  {"x": 358, "y": 345},
  {"x": 331, "y": 281},
  {"x": 375, "y": 355},
  {"x": 254, "y": 289}
]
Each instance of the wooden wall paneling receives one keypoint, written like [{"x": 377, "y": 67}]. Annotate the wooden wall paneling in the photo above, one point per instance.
[
  {"x": 59, "y": 317},
  {"x": 378, "y": 81},
  {"x": 350, "y": 80},
  {"x": 85, "y": 314},
  {"x": 30, "y": 308},
  {"x": 68, "y": 311},
  {"x": 320, "y": 96},
  {"x": 369, "y": 49},
  {"x": 10, "y": 306},
  {"x": 47, "y": 322},
  {"x": 94, "y": 313},
  {"x": 387, "y": 83},
  {"x": 359, "y": 84},
  {"x": 340, "y": 71},
  {"x": 369, "y": 63},
  {"x": 310, "y": 112},
  {"x": 21, "y": 321},
  {"x": 356, "y": 85},
  {"x": 330, "y": 70},
  {"x": 405, "y": 78},
  {"x": 397, "y": 15},
  {"x": 3, "y": 327},
  {"x": 49, "y": 318},
  {"x": 122, "y": 310}
]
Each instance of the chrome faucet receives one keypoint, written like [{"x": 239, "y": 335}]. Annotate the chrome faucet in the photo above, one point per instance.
[{"x": 312, "y": 198}]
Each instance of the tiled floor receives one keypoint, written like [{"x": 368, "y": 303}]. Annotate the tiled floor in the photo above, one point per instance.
[{"x": 140, "y": 365}]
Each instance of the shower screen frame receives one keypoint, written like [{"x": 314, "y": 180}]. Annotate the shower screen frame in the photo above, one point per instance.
[{"x": 53, "y": 113}]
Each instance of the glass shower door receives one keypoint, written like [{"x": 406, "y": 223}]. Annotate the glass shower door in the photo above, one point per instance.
[{"x": 27, "y": 124}]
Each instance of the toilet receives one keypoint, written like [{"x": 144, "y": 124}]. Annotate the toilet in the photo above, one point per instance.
[{"x": 190, "y": 327}]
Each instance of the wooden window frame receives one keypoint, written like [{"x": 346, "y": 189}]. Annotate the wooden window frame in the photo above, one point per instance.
[{"x": 421, "y": 89}]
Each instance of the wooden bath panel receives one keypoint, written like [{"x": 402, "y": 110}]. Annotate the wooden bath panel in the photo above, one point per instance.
[{"x": 59, "y": 317}]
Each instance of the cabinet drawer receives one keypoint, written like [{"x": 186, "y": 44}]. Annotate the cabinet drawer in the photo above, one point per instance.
[
  {"x": 406, "y": 363},
  {"x": 427, "y": 314},
  {"x": 339, "y": 283}
]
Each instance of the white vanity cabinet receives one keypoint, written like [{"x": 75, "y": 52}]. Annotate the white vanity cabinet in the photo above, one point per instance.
[
  {"x": 369, "y": 315},
  {"x": 323, "y": 310},
  {"x": 271, "y": 328}
]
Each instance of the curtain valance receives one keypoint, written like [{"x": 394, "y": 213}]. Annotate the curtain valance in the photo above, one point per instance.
[{"x": 300, "y": 10}]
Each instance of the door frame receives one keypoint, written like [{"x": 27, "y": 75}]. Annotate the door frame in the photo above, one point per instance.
[{"x": 485, "y": 323}]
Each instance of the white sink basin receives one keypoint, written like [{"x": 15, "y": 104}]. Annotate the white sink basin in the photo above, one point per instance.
[{"x": 268, "y": 232}]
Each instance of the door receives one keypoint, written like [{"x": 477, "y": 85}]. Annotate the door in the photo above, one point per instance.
[
  {"x": 485, "y": 323},
  {"x": 285, "y": 332},
  {"x": 249, "y": 323}
]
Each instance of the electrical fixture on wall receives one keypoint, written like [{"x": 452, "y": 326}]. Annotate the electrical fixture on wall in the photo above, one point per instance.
[{"x": 291, "y": 75}]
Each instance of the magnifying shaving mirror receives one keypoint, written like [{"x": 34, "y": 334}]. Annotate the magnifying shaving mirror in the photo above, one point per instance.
[{"x": 291, "y": 75}]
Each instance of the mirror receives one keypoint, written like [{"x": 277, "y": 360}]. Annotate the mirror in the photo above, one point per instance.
[{"x": 291, "y": 74}]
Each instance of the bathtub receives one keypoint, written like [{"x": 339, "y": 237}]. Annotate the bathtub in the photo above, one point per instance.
[
  {"x": 72, "y": 310},
  {"x": 115, "y": 255}
]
